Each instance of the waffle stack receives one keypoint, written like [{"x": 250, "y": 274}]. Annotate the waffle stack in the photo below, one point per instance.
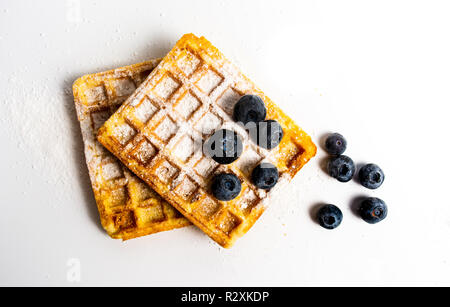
[{"x": 159, "y": 131}]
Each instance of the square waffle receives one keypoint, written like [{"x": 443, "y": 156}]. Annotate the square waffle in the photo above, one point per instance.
[
  {"x": 191, "y": 94},
  {"x": 128, "y": 207}
]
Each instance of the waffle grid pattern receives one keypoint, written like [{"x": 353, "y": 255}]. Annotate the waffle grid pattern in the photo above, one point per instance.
[
  {"x": 190, "y": 95},
  {"x": 128, "y": 207}
]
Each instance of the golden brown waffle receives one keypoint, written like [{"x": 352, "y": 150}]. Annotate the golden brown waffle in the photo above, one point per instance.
[
  {"x": 128, "y": 207},
  {"x": 186, "y": 98}
]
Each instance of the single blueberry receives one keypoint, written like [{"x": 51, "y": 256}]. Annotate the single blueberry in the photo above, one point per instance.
[
  {"x": 371, "y": 176},
  {"x": 226, "y": 187},
  {"x": 335, "y": 144},
  {"x": 268, "y": 134},
  {"x": 329, "y": 216},
  {"x": 342, "y": 168},
  {"x": 249, "y": 108},
  {"x": 373, "y": 210},
  {"x": 265, "y": 176},
  {"x": 224, "y": 146}
]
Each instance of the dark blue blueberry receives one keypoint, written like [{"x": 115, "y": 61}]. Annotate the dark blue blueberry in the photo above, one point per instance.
[
  {"x": 335, "y": 144},
  {"x": 329, "y": 216},
  {"x": 371, "y": 176},
  {"x": 224, "y": 146},
  {"x": 342, "y": 168},
  {"x": 250, "y": 108},
  {"x": 373, "y": 210},
  {"x": 265, "y": 176},
  {"x": 226, "y": 187},
  {"x": 268, "y": 134}
]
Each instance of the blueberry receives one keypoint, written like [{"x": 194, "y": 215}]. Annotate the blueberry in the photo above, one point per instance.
[
  {"x": 226, "y": 187},
  {"x": 342, "y": 168},
  {"x": 329, "y": 216},
  {"x": 250, "y": 108},
  {"x": 373, "y": 210},
  {"x": 335, "y": 144},
  {"x": 224, "y": 146},
  {"x": 268, "y": 134},
  {"x": 371, "y": 176},
  {"x": 265, "y": 176}
]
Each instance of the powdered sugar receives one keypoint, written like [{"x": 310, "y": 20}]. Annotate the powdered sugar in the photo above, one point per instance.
[{"x": 145, "y": 110}]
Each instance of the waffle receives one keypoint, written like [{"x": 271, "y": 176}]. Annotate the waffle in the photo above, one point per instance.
[
  {"x": 185, "y": 99},
  {"x": 128, "y": 207}
]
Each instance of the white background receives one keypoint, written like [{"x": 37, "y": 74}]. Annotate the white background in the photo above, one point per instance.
[{"x": 376, "y": 71}]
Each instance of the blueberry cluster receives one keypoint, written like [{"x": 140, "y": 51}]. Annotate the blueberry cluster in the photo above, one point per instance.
[
  {"x": 225, "y": 147},
  {"x": 372, "y": 209}
]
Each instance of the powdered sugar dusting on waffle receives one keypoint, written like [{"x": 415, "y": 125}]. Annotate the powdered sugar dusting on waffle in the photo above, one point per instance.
[
  {"x": 166, "y": 128},
  {"x": 144, "y": 152},
  {"x": 124, "y": 87},
  {"x": 228, "y": 100},
  {"x": 188, "y": 63},
  {"x": 112, "y": 170},
  {"x": 145, "y": 110},
  {"x": 209, "y": 81},
  {"x": 187, "y": 105},
  {"x": 124, "y": 133},
  {"x": 166, "y": 87},
  {"x": 96, "y": 94}
]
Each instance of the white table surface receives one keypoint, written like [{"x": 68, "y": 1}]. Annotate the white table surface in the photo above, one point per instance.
[{"x": 377, "y": 72}]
